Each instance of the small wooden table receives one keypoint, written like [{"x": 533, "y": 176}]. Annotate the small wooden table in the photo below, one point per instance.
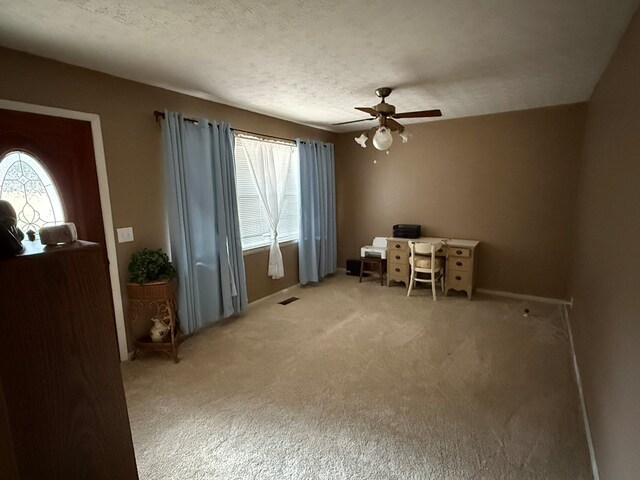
[
  {"x": 379, "y": 262},
  {"x": 161, "y": 298}
]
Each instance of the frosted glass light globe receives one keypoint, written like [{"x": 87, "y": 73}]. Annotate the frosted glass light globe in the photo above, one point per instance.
[
  {"x": 362, "y": 140},
  {"x": 382, "y": 139}
]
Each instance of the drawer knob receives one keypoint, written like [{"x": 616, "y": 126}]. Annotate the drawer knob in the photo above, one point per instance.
[
  {"x": 397, "y": 245},
  {"x": 458, "y": 277},
  {"x": 397, "y": 269},
  {"x": 459, "y": 263},
  {"x": 397, "y": 257},
  {"x": 459, "y": 252}
]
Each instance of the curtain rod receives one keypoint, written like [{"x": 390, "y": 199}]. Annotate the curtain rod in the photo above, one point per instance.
[{"x": 158, "y": 114}]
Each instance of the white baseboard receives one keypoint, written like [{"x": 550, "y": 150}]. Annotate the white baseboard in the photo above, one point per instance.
[
  {"x": 583, "y": 407},
  {"x": 522, "y": 296}
]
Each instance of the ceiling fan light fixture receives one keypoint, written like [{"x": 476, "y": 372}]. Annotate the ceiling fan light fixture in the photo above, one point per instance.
[
  {"x": 362, "y": 140},
  {"x": 385, "y": 114},
  {"x": 382, "y": 139}
]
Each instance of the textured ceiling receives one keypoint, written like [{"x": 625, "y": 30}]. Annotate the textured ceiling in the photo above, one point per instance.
[{"x": 313, "y": 61}]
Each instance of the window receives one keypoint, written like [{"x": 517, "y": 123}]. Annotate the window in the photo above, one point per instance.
[
  {"x": 254, "y": 222},
  {"x": 29, "y": 188}
]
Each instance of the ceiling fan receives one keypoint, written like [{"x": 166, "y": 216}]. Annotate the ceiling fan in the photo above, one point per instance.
[{"x": 386, "y": 115}]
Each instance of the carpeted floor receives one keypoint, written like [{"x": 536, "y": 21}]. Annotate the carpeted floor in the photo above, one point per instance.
[{"x": 358, "y": 381}]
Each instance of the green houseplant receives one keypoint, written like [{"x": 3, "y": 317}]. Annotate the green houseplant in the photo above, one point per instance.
[{"x": 150, "y": 266}]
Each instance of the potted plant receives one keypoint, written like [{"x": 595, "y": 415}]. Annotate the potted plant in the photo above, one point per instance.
[
  {"x": 150, "y": 266},
  {"x": 150, "y": 275},
  {"x": 152, "y": 302}
]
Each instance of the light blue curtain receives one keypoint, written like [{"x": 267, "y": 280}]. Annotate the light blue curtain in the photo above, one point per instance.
[
  {"x": 204, "y": 229},
  {"x": 317, "y": 241}
]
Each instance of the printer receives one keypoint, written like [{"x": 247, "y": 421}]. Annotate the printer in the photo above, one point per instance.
[{"x": 377, "y": 250}]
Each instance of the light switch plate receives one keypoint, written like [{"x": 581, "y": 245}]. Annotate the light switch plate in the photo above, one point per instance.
[{"x": 125, "y": 234}]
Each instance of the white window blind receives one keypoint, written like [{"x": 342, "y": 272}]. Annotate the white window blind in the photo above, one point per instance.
[{"x": 254, "y": 224}]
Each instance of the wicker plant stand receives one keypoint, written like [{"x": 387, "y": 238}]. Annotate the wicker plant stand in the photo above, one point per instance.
[{"x": 159, "y": 298}]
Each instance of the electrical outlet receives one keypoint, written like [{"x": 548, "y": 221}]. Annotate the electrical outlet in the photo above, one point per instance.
[{"x": 125, "y": 234}]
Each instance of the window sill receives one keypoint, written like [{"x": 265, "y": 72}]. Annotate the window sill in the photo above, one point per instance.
[{"x": 266, "y": 248}]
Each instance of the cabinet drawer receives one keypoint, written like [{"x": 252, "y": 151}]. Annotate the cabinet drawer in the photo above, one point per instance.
[
  {"x": 397, "y": 245},
  {"x": 457, "y": 279},
  {"x": 397, "y": 256},
  {"x": 458, "y": 251},
  {"x": 459, "y": 263},
  {"x": 396, "y": 270}
]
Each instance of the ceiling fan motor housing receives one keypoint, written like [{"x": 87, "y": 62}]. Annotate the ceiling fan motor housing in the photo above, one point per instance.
[{"x": 385, "y": 108}]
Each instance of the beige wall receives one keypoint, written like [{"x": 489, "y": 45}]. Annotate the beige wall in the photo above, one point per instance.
[
  {"x": 132, "y": 145},
  {"x": 508, "y": 180},
  {"x": 505, "y": 179},
  {"x": 256, "y": 284},
  {"x": 606, "y": 275}
]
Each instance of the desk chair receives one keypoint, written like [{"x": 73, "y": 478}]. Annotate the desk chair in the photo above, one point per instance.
[{"x": 423, "y": 260}]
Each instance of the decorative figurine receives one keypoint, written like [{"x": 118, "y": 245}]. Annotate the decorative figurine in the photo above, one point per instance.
[
  {"x": 160, "y": 329},
  {"x": 10, "y": 235}
]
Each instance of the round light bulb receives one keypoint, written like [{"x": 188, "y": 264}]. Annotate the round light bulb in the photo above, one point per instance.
[{"x": 382, "y": 139}]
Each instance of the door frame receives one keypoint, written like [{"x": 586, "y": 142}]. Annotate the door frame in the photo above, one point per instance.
[{"x": 105, "y": 202}]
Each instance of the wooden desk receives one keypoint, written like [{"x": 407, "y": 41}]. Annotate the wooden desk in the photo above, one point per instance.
[{"x": 460, "y": 267}]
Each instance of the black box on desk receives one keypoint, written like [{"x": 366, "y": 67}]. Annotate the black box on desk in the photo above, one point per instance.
[
  {"x": 406, "y": 231},
  {"x": 353, "y": 267}
]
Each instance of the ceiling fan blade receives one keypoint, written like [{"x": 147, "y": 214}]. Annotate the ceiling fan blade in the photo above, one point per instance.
[
  {"x": 394, "y": 126},
  {"x": 368, "y": 110},
  {"x": 421, "y": 113},
  {"x": 354, "y": 121}
]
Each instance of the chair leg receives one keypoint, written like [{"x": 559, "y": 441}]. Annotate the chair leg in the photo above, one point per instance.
[
  {"x": 433, "y": 288},
  {"x": 411, "y": 283},
  {"x": 361, "y": 269},
  {"x": 442, "y": 282},
  {"x": 381, "y": 274}
]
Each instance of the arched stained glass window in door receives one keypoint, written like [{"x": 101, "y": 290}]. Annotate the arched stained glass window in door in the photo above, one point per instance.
[{"x": 26, "y": 184}]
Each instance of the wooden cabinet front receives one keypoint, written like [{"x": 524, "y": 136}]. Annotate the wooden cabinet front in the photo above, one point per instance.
[
  {"x": 460, "y": 270},
  {"x": 397, "y": 261},
  {"x": 59, "y": 368}
]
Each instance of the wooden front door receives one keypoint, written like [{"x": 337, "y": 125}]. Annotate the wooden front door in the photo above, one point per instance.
[{"x": 65, "y": 148}]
